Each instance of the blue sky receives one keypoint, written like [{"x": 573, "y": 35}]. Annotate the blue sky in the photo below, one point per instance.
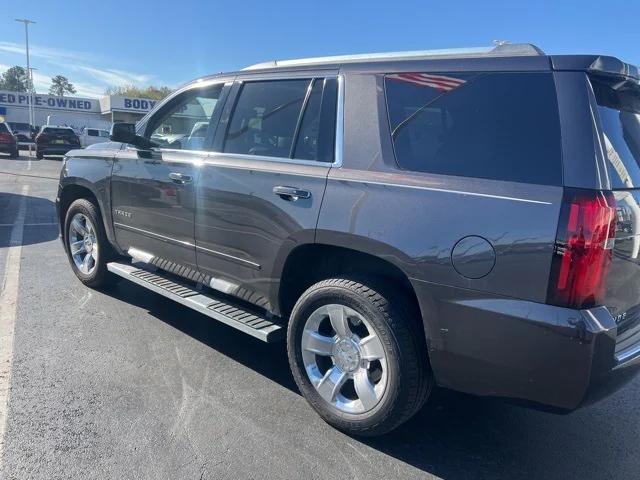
[{"x": 98, "y": 44}]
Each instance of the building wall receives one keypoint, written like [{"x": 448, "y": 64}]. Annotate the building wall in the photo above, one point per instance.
[{"x": 75, "y": 112}]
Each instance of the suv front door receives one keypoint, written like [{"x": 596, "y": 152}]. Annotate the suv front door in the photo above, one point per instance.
[
  {"x": 259, "y": 195},
  {"x": 153, "y": 190}
]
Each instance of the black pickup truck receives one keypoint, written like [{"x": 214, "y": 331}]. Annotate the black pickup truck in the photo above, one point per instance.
[{"x": 463, "y": 219}]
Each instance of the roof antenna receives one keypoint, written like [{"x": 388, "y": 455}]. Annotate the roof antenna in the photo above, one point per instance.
[{"x": 499, "y": 43}]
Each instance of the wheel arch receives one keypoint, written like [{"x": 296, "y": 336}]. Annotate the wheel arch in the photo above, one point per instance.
[
  {"x": 72, "y": 192},
  {"x": 310, "y": 263}
]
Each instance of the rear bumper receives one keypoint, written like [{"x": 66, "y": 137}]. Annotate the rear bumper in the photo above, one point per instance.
[{"x": 496, "y": 346}]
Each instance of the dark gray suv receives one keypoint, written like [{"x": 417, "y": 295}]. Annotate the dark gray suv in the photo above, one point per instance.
[{"x": 466, "y": 219}]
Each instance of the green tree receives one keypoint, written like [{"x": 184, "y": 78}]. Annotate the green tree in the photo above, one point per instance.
[
  {"x": 14, "y": 79},
  {"x": 61, "y": 85},
  {"x": 151, "y": 92}
]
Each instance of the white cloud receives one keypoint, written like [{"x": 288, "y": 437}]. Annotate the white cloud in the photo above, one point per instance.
[
  {"x": 48, "y": 53},
  {"x": 115, "y": 77},
  {"x": 90, "y": 80}
]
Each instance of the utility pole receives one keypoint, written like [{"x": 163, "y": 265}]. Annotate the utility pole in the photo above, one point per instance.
[{"x": 29, "y": 74}]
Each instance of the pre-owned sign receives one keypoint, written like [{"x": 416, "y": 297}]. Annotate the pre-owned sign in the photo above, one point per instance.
[{"x": 49, "y": 101}]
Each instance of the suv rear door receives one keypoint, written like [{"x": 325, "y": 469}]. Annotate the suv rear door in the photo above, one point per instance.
[
  {"x": 260, "y": 195},
  {"x": 153, "y": 190}
]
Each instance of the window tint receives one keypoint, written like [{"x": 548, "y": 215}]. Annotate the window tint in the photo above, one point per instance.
[
  {"x": 502, "y": 126},
  {"x": 58, "y": 131},
  {"x": 620, "y": 120},
  {"x": 265, "y": 118},
  {"x": 185, "y": 123},
  {"x": 307, "y": 141},
  {"x": 92, "y": 133},
  {"x": 3, "y": 128}
]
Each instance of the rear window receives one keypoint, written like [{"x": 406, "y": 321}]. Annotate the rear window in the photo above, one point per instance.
[
  {"x": 3, "y": 128},
  {"x": 620, "y": 120},
  {"x": 502, "y": 126},
  {"x": 58, "y": 131},
  {"x": 19, "y": 126}
]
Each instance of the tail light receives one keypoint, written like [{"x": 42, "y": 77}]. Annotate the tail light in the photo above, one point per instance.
[
  {"x": 583, "y": 249},
  {"x": 6, "y": 137}
]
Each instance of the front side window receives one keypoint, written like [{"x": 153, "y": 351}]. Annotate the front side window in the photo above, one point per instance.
[
  {"x": 502, "y": 126},
  {"x": 92, "y": 133},
  {"x": 184, "y": 123}
]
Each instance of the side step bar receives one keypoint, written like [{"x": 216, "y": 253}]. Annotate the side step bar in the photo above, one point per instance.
[{"x": 205, "y": 303}]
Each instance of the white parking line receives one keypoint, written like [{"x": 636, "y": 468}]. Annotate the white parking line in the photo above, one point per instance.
[{"x": 8, "y": 307}]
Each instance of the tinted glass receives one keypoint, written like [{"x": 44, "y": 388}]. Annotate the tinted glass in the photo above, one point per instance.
[
  {"x": 307, "y": 140},
  {"x": 58, "y": 131},
  {"x": 620, "y": 120},
  {"x": 3, "y": 128},
  {"x": 502, "y": 126},
  {"x": 19, "y": 125},
  {"x": 184, "y": 125},
  {"x": 265, "y": 118},
  {"x": 92, "y": 133}
]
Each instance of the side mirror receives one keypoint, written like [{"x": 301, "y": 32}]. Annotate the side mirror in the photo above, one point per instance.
[
  {"x": 126, "y": 133},
  {"x": 123, "y": 132}
]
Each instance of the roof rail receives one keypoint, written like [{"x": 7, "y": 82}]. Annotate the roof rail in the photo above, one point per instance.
[{"x": 502, "y": 49}]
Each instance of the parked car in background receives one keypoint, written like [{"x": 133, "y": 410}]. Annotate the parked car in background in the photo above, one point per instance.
[
  {"x": 402, "y": 220},
  {"x": 89, "y": 136},
  {"x": 55, "y": 141},
  {"x": 8, "y": 141},
  {"x": 23, "y": 131}
]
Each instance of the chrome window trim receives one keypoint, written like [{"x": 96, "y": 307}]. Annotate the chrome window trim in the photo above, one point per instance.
[{"x": 339, "y": 139}]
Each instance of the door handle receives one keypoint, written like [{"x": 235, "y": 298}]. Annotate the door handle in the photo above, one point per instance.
[
  {"x": 180, "y": 178},
  {"x": 291, "y": 193}
]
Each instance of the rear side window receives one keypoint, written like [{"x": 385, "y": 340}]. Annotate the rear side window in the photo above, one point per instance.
[
  {"x": 502, "y": 126},
  {"x": 284, "y": 118},
  {"x": 92, "y": 133},
  {"x": 620, "y": 119}
]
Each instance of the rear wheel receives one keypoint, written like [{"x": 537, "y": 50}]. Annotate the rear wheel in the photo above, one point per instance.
[
  {"x": 14, "y": 153},
  {"x": 87, "y": 245},
  {"x": 357, "y": 356},
  {"x": 39, "y": 155}
]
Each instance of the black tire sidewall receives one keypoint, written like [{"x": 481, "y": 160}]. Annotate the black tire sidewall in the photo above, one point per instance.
[
  {"x": 354, "y": 423},
  {"x": 88, "y": 209}
]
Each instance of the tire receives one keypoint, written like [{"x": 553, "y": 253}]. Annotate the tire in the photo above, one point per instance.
[
  {"x": 14, "y": 153},
  {"x": 404, "y": 368},
  {"x": 96, "y": 275},
  {"x": 39, "y": 155}
]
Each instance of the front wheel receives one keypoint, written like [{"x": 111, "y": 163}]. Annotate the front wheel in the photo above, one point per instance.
[
  {"x": 357, "y": 356},
  {"x": 87, "y": 245}
]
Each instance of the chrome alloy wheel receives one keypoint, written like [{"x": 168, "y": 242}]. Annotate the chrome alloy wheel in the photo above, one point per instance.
[
  {"x": 83, "y": 243},
  {"x": 344, "y": 359}
]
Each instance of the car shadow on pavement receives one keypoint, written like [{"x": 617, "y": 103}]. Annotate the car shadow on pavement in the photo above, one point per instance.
[
  {"x": 39, "y": 223},
  {"x": 454, "y": 435}
]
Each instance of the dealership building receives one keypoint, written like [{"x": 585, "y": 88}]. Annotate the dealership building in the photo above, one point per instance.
[{"x": 75, "y": 112}]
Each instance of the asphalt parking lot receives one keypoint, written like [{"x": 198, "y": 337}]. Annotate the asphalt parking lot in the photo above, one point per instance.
[{"x": 122, "y": 383}]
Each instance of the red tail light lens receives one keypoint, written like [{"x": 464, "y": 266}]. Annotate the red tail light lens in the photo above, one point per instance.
[
  {"x": 583, "y": 250},
  {"x": 6, "y": 137}
]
